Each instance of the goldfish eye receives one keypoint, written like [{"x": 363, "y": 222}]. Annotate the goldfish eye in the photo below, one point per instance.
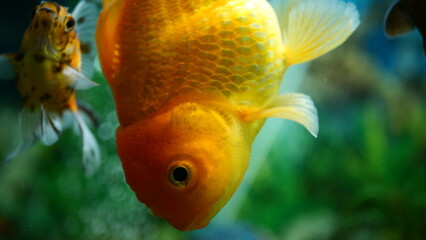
[
  {"x": 180, "y": 175},
  {"x": 69, "y": 25}
]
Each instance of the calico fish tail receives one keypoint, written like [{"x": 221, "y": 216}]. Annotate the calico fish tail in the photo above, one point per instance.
[
  {"x": 37, "y": 125},
  {"x": 91, "y": 152},
  {"x": 40, "y": 125},
  {"x": 314, "y": 27}
]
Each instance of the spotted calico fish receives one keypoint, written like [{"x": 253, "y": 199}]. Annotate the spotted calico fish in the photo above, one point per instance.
[{"x": 55, "y": 59}]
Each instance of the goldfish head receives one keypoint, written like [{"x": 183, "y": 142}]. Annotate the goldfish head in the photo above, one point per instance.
[
  {"x": 186, "y": 162},
  {"x": 51, "y": 32}
]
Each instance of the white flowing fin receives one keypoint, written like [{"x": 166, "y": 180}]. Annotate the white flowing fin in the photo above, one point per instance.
[
  {"x": 77, "y": 79},
  {"x": 40, "y": 125},
  {"x": 97, "y": 64},
  {"x": 91, "y": 152},
  {"x": 7, "y": 71},
  {"x": 86, "y": 16},
  {"x": 22, "y": 147},
  {"x": 312, "y": 28},
  {"x": 292, "y": 106}
]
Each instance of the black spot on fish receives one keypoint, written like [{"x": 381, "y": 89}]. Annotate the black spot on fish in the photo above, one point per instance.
[
  {"x": 32, "y": 108},
  {"x": 81, "y": 20},
  {"x": 55, "y": 24},
  {"x": 25, "y": 75},
  {"x": 39, "y": 58},
  {"x": 45, "y": 97},
  {"x": 65, "y": 100},
  {"x": 36, "y": 25},
  {"x": 45, "y": 23},
  {"x": 33, "y": 88},
  {"x": 63, "y": 55},
  {"x": 85, "y": 48},
  {"x": 19, "y": 57},
  {"x": 70, "y": 88},
  {"x": 26, "y": 98},
  {"x": 58, "y": 69}
]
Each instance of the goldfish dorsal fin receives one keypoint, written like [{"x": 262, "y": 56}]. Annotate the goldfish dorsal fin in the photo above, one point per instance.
[
  {"x": 314, "y": 27},
  {"x": 91, "y": 152},
  {"x": 77, "y": 79},
  {"x": 38, "y": 124},
  {"x": 86, "y": 16},
  {"x": 7, "y": 71},
  {"x": 397, "y": 21},
  {"x": 292, "y": 106}
]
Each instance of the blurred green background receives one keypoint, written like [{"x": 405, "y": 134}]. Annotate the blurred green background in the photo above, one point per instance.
[{"x": 364, "y": 177}]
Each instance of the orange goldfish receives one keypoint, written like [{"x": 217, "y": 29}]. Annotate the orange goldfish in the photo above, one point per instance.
[
  {"x": 194, "y": 81},
  {"x": 48, "y": 69}
]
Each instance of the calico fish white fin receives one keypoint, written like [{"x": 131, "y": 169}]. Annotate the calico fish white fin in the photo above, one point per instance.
[
  {"x": 397, "y": 21},
  {"x": 7, "y": 71},
  {"x": 38, "y": 124},
  {"x": 293, "y": 106},
  {"x": 78, "y": 79},
  {"x": 91, "y": 152},
  {"x": 22, "y": 147},
  {"x": 86, "y": 17},
  {"x": 314, "y": 27}
]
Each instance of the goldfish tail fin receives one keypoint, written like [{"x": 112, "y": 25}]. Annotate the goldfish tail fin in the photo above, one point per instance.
[
  {"x": 86, "y": 15},
  {"x": 7, "y": 71},
  {"x": 314, "y": 27},
  {"x": 91, "y": 152},
  {"x": 39, "y": 124},
  {"x": 292, "y": 106}
]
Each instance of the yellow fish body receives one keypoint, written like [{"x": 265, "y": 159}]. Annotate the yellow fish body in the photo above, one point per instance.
[
  {"x": 194, "y": 80},
  {"x": 48, "y": 70}
]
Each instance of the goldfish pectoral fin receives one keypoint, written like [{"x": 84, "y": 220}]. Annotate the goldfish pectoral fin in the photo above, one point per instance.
[
  {"x": 91, "y": 152},
  {"x": 314, "y": 27},
  {"x": 38, "y": 124},
  {"x": 7, "y": 71},
  {"x": 397, "y": 21},
  {"x": 78, "y": 79},
  {"x": 86, "y": 16},
  {"x": 292, "y": 106},
  {"x": 22, "y": 147}
]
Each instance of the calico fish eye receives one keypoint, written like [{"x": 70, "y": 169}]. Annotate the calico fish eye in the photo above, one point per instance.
[
  {"x": 180, "y": 175},
  {"x": 69, "y": 24}
]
